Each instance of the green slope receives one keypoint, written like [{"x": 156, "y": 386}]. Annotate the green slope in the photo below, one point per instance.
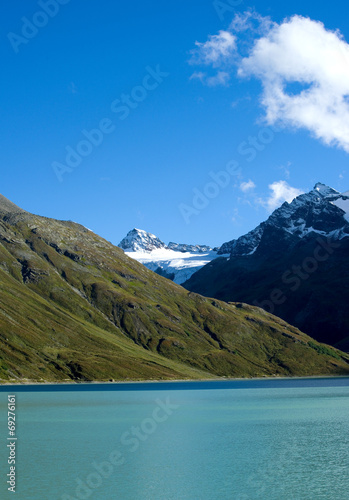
[{"x": 75, "y": 307}]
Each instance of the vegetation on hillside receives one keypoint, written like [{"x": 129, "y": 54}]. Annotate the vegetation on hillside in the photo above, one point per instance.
[{"x": 75, "y": 307}]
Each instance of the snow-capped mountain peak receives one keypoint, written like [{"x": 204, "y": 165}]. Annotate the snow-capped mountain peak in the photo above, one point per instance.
[
  {"x": 322, "y": 210},
  {"x": 175, "y": 261},
  {"x": 138, "y": 240},
  {"x": 324, "y": 190}
]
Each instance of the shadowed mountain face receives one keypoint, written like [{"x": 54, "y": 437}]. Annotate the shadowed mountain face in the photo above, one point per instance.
[
  {"x": 75, "y": 307},
  {"x": 294, "y": 265}
]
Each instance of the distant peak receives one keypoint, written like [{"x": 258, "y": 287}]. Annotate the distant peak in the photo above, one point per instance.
[
  {"x": 138, "y": 240},
  {"x": 140, "y": 232},
  {"x": 324, "y": 190}
]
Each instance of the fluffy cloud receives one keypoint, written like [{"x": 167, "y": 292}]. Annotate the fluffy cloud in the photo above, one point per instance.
[
  {"x": 280, "y": 192},
  {"x": 247, "y": 186},
  {"x": 303, "y": 67},
  {"x": 216, "y": 52},
  {"x": 302, "y": 51}
]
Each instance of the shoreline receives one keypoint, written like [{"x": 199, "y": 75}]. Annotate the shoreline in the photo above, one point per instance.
[{"x": 108, "y": 385}]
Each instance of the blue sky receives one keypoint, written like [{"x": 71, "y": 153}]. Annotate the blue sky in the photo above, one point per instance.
[{"x": 178, "y": 94}]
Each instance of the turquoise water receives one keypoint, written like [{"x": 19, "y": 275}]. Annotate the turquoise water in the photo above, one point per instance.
[{"x": 279, "y": 440}]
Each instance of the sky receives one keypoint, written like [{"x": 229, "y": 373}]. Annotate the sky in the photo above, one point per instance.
[{"x": 190, "y": 119}]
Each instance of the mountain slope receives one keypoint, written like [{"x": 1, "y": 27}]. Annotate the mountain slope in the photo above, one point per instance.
[
  {"x": 295, "y": 265},
  {"x": 75, "y": 307}
]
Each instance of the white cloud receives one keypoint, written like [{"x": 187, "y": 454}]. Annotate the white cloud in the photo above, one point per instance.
[
  {"x": 221, "y": 78},
  {"x": 280, "y": 191},
  {"x": 302, "y": 51},
  {"x": 216, "y": 50},
  {"x": 251, "y": 21},
  {"x": 247, "y": 186},
  {"x": 303, "y": 67}
]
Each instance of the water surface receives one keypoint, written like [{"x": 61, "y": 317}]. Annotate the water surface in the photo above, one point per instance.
[{"x": 267, "y": 439}]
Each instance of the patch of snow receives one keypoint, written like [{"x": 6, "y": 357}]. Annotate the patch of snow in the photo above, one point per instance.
[
  {"x": 182, "y": 247},
  {"x": 252, "y": 251},
  {"x": 343, "y": 203},
  {"x": 324, "y": 190},
  {"x": 182, "y": 264}
]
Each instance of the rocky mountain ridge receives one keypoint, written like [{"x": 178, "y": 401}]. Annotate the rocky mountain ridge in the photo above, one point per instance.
[{"x": 323, "y": 210}]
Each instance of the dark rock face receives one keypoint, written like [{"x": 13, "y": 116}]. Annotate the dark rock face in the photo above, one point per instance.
[
  {"x": 164, "y": 273},
  {"x": 294, "y": 265}
]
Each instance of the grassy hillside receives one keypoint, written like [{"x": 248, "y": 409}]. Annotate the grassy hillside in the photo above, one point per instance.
[{"x": 75, "y": 307}]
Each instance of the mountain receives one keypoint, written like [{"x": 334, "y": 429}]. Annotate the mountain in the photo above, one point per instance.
[
  {"x": 314, "y": 212},
  {"x": 75, "y": 307},
  {"x": 138, "y": 240},
  {"x": 295, "y": 265},
  {"x": 175, "y": 261}
]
